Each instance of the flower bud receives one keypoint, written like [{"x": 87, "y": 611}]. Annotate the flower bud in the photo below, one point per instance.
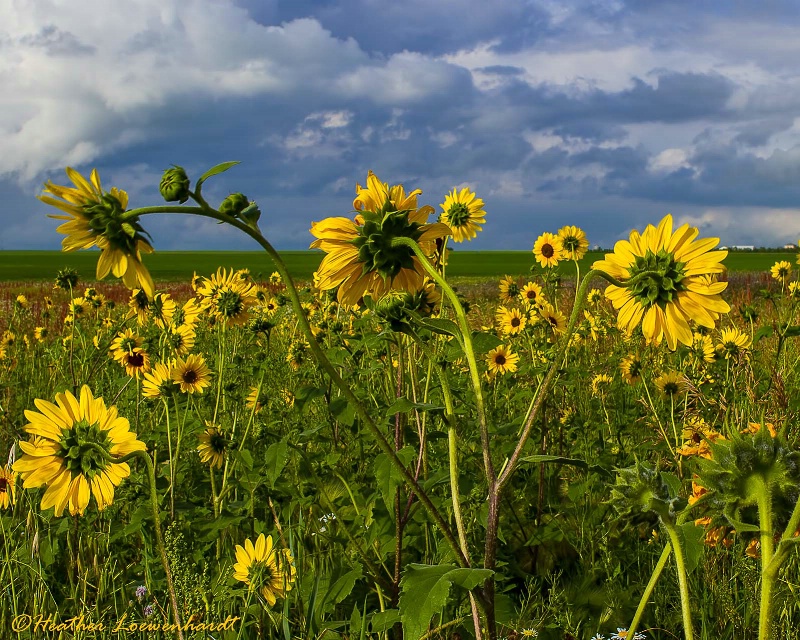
[
  {"x": 174, "y": 185},
  {"x": 234, "y": 204}
]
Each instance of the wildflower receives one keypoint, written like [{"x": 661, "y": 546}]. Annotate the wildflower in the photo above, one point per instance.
[
  {"x": 40, "y": 333},
  {"x": 135, "y": 362},
  {"x": 158, "y": 382},
  {"x": 141, "y": 591},
  {"x": 574, "y": 242},
  {"x": 63, "y": 451},
  {"x": 529, "y": 633},
  {"x": 188, "y": 315},
  {"x": 227, "y": 298},
  {"x": 671, "y": 384},
  {"x": 794, "y": 290},
  {"x": 532, "y": 294},
  {"x": 548, "y": 250},
  {"x": 594, "y": 296},
  {"x": 96, "y": 218},
  {"x": 124, "y": 344},
  {"x": 257, "y": 399},
  {"x": 297, "y": 352},
  {"x": 698, "y": 437},
  {"x": 66, "y": 279},
  {"x": 463, "y": 213},
  {"x": 703, "y": 348},
  {"x": 781, "y": 271},
  {"x": 21, "y": 302},
  {"x": 502, "y": 360},
  {"x": 361, "y": 259},
  {"x": 509, "y": 289},
  {"x": 665, "y": 301},
  {"x": 139, "y": 306},
  {"x": 180, "y": 339},
  {"x": 264, "y": 568},
  {"x": 600, "y": 384},
  {"x": 192, "y": 374},
  {"x": 8, "y": 481},
  {"x": 162, "y": 309},
  {"x": 148, "y": 611},
  {"x": 213, "y": 445},
  {"x": 733, "y": 343},
  {"x": 555, "y": 318},
  {"x": 275, "y": 278},
  {"x": 511, "y": 321}
]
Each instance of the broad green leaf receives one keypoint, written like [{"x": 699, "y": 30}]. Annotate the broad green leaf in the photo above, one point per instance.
[
  {"x": 573, "y": 462},
  {"x": 424, "y": 591},
  {"x": 214, "y": 171},
  {"x": 306, "y": 394},
  {"x": 792, "y": 331},
  {"x": 384, "y": 620},
  {"x": 340, "y": 589},
  {"x": 403, "y": 405},
  {"x": 275, "y": 460},
  {"x": 691, "y": 537},
  {"x": 343, "y": 411},
  {"x": 763, "y": 332},
  {"x": 388, "y": 476},
  {"x": 442, "y": 326},
  {"x": 484, "y": 342}
]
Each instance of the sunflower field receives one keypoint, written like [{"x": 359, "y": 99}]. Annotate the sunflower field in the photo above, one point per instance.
[{"x": 386, "y": 453}]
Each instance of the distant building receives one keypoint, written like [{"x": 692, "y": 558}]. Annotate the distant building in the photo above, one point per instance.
[
  {"x": 740, "y": 247},
  {"x": 790, "y": 246}
]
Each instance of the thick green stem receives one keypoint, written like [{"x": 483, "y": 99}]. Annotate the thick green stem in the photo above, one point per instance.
[
  {"x": 323, "y": 361},
  {"x": 683, "y": 584},
  {"x": 648, "y": 590},
  {"x": 768, "y": 577}
]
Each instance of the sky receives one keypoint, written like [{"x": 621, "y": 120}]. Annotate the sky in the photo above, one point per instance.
[{"x": 605, "y": 114}]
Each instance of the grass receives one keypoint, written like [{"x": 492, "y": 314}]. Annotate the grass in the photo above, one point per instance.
[{"x": 180, "y": 265}]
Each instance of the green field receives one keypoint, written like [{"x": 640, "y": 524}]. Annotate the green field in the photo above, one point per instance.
[{"x": 180, "y": 265}]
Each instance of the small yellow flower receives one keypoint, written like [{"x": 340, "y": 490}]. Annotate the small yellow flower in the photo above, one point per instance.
[
  {"x": 192, "y": 374},
  {"x": 671, "y": 384},
  {"x": 463, "y": 213},
  {"x": 781, "y": 271},
  {"x": 502, "y": 360},
  {"x": 265, "y": 569},
  {"x": 574, "y": 242},
  {"x": 548, "y": 250}
]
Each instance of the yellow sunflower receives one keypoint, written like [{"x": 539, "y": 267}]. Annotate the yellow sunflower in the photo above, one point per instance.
[
  {"x": 733, "y": 343},
  {"x": 96, "y": 218},
  {"x": 556, "y": 319},
  {"x": 671, "y": 384},
  {"x": 188, "y": 315},
  {"x": 227, "y": 297},
  {"x": 509, "y": 289},
  {"x": 360, "y": 257},
  {"x": 264, "y": 568},
  {"x": 180, "y": 339},
  {"x": 703, "y": 348},
  {"x": 8, "y": 480},
  {"x": 135, "y": 362},
  {"x": 631, "y": 367},
  {"x": 532, "y": 294},
  {"x": 162, "y": 309},
  {"x": 463, "y": 213},
  {"x": 574, "y": 242},
  {"x": 511, "y": 321},
  {"x": 63, "y": 451},
  {"x": 501, "y": 360},
  {"x": 600, "y": 385},
  {"x": 548, "y": 250},
  {"x": 257, "y": 399},
  {"x": 213, "y": 446},
  {"x": 124, "y": 344},
  {"x": 158, "y": 382},
  {"x": 139, "y": 305},
  {"x": 192, "y": 374},
  {"x": 678, "y": 288},
  {"x": 781, "y": 271}
]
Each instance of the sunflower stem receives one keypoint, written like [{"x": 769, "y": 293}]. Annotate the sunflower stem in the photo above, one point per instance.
[
  {"x": 683, "y": 584},
  {"x": 768, "y": 576},
  {"x": 648, "y": 590},
  {"x": 322, "y": 359}
]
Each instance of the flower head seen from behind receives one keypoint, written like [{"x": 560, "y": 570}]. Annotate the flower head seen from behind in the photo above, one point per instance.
[
  {"x": 96, "y": 218},
  {"x": 509, "y": 289},
  {"x": 213, "y": 446},
  {"x": 72, "y": 449},
  {"x": 781, "y": 271},
  {"x": 361, "y": 258},
  {"x": 463, "y": 213},
  {"x": 668, "y": 281},
  {"x": 8, "y": 480},
  {"x": 733, "y": 343},
  {"x": 265, "y": 569},
  {"x": 671, "y": 384},
  {"x": 574, "y": 242}
]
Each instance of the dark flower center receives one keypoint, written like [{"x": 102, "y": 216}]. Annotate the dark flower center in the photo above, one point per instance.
[
  {"x": 548, "y": 251},
  {"x": 3, "y": 485},
  {"x": 500, "y": 359},
  {"x": 515, "y": 322},
  {"x": 190, "y": 376},
  {"x": 136, "y": 360}
]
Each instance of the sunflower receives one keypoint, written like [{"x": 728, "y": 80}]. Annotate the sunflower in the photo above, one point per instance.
[
  {"x": 678, "y": 288},
  {"x": 21, "y": 302},
  {"x": 703, "y": 348},
  {"x": 139, "y": 305},
  {"x": 63, "y": 451},
  {"x": 794, "y": 290},
  {"x": 733, "y": 343},
  {"x": 124, "y": 344},
  {"x": 781, "y": 271},
  {"x": 8, "y": 339},
  {"x": 8, "y": 480},
  {"x": 600, "y": 384},
  {"x": 227, "y": 297},
  {"x": 158, "y": 382},
  {"x": 78, "y": 308},
  {"x": 96, "y": 218},
  {"x": 275, "y": 278},
  {"x": 180, "y": 339},
  {"x": 501, "y": 360},
  {"x": 192, "y": 374},
  {"x": 509, "y": 289},
  {"x": 548, "y": 250},
  {"x": 532, "y": 294},
  {"x": 555, "y": 318},
  {"x": 162, "y": 309},
  {"x": 40, "y": 333},
  {"x": 213, "y": 446},
  {"x": 188, "y": 315},
  {"x": 257, "y": 399},
  {"x": 671, "y": 384},
  {"x": 297, "y": 353},
  {"x": 463, "y": 213},
  {"x": 135, "y": 362},
  {"x": 574, "y": 242},
  {"x": 361, "y": 259},
  {"x": 594, "y": 296},
  {"x": 631, "y": 367},
  {"x": 698, "y": 437},
  {"x": 511, "y": 321},
  {"x": 264, "y": 568}
]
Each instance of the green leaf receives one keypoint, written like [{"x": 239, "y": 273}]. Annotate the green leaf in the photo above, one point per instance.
[
  {"x": 763, "y": 332},
  {"x": 214, "y": 171},
  {"x": 388, "y": 476},
  {"x": 343, "y": 411},
  {"x": 245, "y": 457},
  {"x": 340, "y": 589},
  {"x": 484, "y": 342},
  {"x": 673, "y": 482},
  {"x": 691, "y": 537},
  {"x": 424, "y": 591},
  {"x": 275, "y": 460},
  {"x": 792, "y": 331},
  {"x": 573, "y": 462},
  {"x": 442, "y": 326},
  {"x": 404, "y": 405},
  {"x": 306, "y": 394},
  {"x": 384, "y": 620}
]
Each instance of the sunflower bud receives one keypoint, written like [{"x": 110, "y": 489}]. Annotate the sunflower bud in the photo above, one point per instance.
[
  {"x": 174, "y": 185},
  {"x": 642, "y": 488},
  {"x": 234, "y": 204}
]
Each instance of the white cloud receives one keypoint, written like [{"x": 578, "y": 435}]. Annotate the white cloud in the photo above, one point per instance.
[{"x": 669, "y": 160}]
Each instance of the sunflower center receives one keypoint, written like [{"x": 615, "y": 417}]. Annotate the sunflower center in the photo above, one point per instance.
[
  {"x": 500, "y": 359},
  {"x": 458, "y": 214},
  {"x": 218, "y": 442},
  {"x": 663, "y": 280},
  {"x": 190, "y": 376},
  {"x": 3, "y": 485},
  {"x": 83, "y": 447},
  {"x": 515, "y": 322},
  {"x": 229, "y": 303},
  {"x": 671, "y": 388},
  {"x": 136, "y": 360},
  {"x": 547, "y": 250},
  {"x": 374, "y": 242}
]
